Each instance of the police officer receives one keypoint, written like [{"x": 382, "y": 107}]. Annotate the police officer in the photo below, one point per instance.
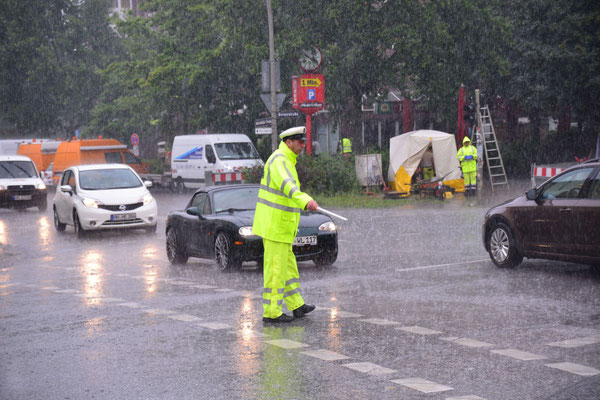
[
  {"x": 467, "y": 156},
  {"x": 276, "y": 221}
]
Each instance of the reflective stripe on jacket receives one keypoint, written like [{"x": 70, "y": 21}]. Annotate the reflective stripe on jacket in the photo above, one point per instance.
[
  {"x": 280, "y": 200},
  {"x": 467, "y": 165}
]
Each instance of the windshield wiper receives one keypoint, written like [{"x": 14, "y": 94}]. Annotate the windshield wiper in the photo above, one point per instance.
[{"x": 231, "y": 210}]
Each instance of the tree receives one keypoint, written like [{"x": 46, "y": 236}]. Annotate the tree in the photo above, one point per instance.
[{"x": 50, "y": 57}]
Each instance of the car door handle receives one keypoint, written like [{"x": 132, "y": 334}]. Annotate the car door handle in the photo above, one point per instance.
[{"x": 565, "y": 210}]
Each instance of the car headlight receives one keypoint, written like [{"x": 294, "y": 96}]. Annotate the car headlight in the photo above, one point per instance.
[
  {"x": 41, "y": 186},
  {"x": 246, "y": 231},
  {"x": 90, "y": 202},
  {"x": 146, "y": 199},
  {"x": 327, "y": 227}
]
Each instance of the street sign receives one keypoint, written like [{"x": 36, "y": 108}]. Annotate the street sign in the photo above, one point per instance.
[
  {"x": 135, "y": 139},
  {"x": 309, "y": 80},
  {"x": 266, "y": 76},
  {"x": 288, "y": 114},
  {"x": 263, "y": 130},
  {"x": 308, "y": 93},
  {"x": 262, "y": 122},
  {"x": 266, "y": 98}
]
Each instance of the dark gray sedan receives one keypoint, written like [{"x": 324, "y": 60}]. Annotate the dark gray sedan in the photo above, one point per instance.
[{"x": 560, "y": 220}]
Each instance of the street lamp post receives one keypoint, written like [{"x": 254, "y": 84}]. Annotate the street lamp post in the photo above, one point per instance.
[{"x": 273, "y": 110}]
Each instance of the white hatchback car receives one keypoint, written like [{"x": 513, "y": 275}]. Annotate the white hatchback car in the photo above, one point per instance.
[{"x": 103, "y": 196}]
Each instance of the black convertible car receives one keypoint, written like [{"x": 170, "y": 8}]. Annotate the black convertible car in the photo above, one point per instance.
[{"x": 217, "y": 223}]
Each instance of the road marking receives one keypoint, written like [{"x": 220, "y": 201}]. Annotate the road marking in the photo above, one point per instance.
[
  {"x": 575, "y": 368},
  {"x": 111, "y": 299},
  {"x": 185, "y": 317},
  {"x": 577, "y": 342},
  {"x": 370, "y": 368},
  {"x": 379, "y": 321},
  {"x": 203, "y": 287},
  {"x": 180, "y": 283},
  {"x": 422, "y": 385},
  {"x": 158, "y": 311},
  {"x": 470, "y": 397},
  {"x": 519, "y": 355},
  {"x": 130, "y": 304},
  {"x": 286, "y": 343},
  {"x": 250, "y": 334},
  {"x": 441, "y": 265},
  {"x": 66, "y": 291},
  {"x": 418, "y": 330},
  {"x": 325, "y": 355},
  {"x": 224, "y": 290},
  {"x": 467, "y": 342},
  {"x": 346, "y": 314},
  {"x": 50, "y": 288},
  {"x": 215, "y": 325}
]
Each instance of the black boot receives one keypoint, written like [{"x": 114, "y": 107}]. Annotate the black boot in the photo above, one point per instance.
[
  {"x": 303, "y": 309},
  {"x": 283, "y": 318}
]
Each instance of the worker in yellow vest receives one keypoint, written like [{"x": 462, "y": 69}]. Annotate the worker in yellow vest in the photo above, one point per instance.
[
  {"x": 345, "y": 147},
  {"x": 276, "y": 219},
  {"x": 467, "y": 156}
]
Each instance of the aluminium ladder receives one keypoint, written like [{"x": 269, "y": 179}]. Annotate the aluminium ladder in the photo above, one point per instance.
[{"x": 492, "y": 151}]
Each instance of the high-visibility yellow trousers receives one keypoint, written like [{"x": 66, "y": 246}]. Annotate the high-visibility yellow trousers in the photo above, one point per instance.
[
  {"x": 470, "y": 180},
  {"x": 282, "y": 281}
]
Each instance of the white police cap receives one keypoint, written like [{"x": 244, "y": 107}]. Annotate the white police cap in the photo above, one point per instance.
[{"x": 298, "y": 132}]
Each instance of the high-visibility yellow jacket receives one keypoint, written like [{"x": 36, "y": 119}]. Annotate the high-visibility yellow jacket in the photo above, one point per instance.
[
  {"x": 280, "y": 200},
  {"x": 467, "y": 165},
  {"x": 346, "y": 146}
]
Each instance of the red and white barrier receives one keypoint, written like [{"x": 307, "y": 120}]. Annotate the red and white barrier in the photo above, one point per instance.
[
  {"x": 547, "y": 172},
  {"x": 227, "y": 177}
]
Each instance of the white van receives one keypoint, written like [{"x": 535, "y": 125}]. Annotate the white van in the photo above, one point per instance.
[
  {"x": 192, "y": 156},
  {"x": 20, "y": 184}
]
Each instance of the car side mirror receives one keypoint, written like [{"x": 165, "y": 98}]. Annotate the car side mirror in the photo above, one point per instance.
[
  {"x": 194, "y": 211},
  {"x": 148, "y": 184},
  {"x": 66, "y": 189},
  {"x": 532, "y": 194}
]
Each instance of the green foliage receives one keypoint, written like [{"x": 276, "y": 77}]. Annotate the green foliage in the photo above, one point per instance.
[
  {"x": 51, "y": 53},
  {"x": 253, "y": 174},
  {"x": 327, "y": 174},
  {"x": 196, "y": 64},
  {"x": 323, "y": 175}
]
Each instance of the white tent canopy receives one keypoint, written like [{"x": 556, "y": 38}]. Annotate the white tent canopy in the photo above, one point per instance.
[{"x": 406, "y": 151}]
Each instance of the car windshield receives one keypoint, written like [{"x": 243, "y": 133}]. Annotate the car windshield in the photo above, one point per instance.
[
  {"x": 236, "y": 151},
  {"x": 17, "y": 169},
  {"x": 102, "y": 179},
  {"x": 238, "y": 199}
]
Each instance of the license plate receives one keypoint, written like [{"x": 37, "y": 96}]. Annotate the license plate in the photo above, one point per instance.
[
  {"x": 302, "y": 240},
  {"x": 25, "y": 197},
  {"x": 122, "y": 217}
]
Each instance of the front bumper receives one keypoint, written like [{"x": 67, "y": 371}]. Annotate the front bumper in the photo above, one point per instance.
[
  {"x": 251, "y": 248},
  {"x": 96, "y": 218},
  {"x": 22, "y": 198}
]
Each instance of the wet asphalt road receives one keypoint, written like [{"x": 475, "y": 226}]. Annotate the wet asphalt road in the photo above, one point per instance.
[{"x": 412, "y": 309}]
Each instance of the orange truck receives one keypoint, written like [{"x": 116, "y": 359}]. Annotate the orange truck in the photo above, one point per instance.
[
  {"x": 94, "y": 151},
  {"x": 42, "y": 155}
]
